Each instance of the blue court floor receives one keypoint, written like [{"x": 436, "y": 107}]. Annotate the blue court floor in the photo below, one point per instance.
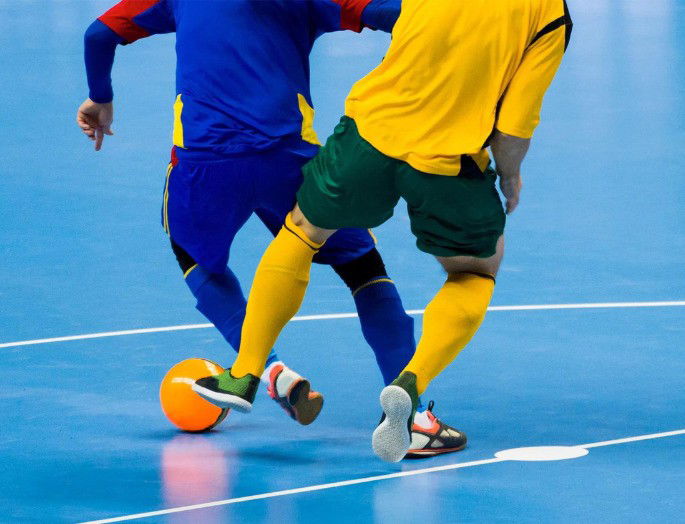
[{"x": 597, "y": 243}]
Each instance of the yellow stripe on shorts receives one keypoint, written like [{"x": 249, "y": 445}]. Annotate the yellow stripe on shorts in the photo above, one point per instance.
[{"x": 165, "y": 207}]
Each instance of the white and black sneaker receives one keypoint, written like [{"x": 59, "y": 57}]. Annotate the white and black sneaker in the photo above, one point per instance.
[{"x": 430, "y": 436}]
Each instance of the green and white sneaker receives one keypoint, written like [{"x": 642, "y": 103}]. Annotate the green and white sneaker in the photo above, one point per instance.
[
  {"x": 226, "y": 391},
  {"x": 392, "y": 438}
]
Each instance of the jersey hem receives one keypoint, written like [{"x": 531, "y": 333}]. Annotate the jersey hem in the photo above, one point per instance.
[{"x": 411, "y": 158}]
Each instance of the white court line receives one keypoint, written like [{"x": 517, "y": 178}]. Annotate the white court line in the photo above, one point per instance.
[
  {"x": 333, "y": 316},
  {"x": 364, "y": 480},
  {"x": 306, "y": 489},
  {"x": 632, "y": 439}
]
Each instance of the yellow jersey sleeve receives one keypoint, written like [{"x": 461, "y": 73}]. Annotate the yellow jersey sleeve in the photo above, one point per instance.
[{"x": 519, "y": 110}]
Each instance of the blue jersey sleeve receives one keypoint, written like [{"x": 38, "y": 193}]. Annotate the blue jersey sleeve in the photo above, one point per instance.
[
  {"x": 100, "y": 43},
  {"x": 124, "y": 23}
]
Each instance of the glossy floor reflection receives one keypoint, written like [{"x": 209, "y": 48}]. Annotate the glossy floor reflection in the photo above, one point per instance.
[{"x": 82, "y": 436}]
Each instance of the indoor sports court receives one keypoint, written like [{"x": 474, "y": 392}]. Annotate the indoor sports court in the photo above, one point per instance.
[{"x": 580, "y": 358}]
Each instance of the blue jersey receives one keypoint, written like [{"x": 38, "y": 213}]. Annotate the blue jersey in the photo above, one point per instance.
[{"x": 242, "y": 79}]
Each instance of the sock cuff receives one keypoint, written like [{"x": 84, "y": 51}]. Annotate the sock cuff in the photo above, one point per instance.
[
  {"x": 452, "y": 277},
  {"x": 297, "y": 231}
]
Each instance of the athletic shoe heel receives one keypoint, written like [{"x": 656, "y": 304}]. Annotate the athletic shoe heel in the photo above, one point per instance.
[{"x": 306, "y": 406}]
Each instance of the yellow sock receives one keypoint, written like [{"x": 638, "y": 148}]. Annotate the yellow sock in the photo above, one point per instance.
[
  {"x": 276, "y": 295},
  {"x": 450, "y": 321}
]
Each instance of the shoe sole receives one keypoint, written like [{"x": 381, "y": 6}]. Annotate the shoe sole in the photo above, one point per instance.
[
  {"x": 418, "y": 454},
  {"x": 305, "y": 407},
  {"x": 391, "y": 439},
  {"x": 223, "y": 400}
]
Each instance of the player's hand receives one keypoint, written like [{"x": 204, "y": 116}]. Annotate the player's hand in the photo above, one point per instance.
[
  {"x": 511, "y": 189},
  {"x": 95, "y": 120}
]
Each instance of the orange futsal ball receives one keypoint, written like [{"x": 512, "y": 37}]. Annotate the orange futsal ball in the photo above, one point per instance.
[{"x": 182, "y": 406}]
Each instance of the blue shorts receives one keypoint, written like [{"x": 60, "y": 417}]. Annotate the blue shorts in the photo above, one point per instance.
[{"x": 207, "y": 201}]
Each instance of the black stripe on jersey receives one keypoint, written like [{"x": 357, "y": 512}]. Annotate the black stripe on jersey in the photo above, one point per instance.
[
  {"x": 569, "y": 25},
  {"x": 563, "y": 21}
]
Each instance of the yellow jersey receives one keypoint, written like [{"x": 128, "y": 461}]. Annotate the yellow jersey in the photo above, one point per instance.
[{"x": 455, "y": 71}]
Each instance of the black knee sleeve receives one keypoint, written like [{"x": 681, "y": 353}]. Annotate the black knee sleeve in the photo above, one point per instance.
[
  {"x": 183, "y": 258},
  {"x": 361, "y": 270}
]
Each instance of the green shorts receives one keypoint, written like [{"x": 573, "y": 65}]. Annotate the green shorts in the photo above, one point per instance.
[{"x": 352, "y": 184}]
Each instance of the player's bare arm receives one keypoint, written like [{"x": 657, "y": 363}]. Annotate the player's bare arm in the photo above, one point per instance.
[{"x": 509, "y": 152}]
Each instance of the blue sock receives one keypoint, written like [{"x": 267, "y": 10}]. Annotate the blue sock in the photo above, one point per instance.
[
  {"x": 386, "y": 326},
  {"x": 221, "y": 300}
]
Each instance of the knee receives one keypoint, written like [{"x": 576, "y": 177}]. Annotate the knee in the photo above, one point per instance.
[
  {"x": 362, "y": 270},
  {"x": 469, "y": 264},
  {"x": 314, "y": 233}
]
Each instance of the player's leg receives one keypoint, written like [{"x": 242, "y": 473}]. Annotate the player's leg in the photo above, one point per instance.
[
  {"x": 275, "y": 297},
  {"x": 386, "y": 327},
  {"x": 449, "y": 322},
  {"x": 459, "y": 220},
  {"x": 283, "y": 273},
  {"x": 219, "y": 297},
  {"x": 455, "y": 313},
  {"x": 237, "y": 386},
  {"x": 352, "y": 253},
  {"x": 206, "y": 203},
  {"x": 388, "y": 330}
]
